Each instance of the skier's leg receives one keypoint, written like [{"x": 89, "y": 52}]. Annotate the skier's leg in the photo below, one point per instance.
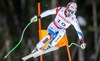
[
  {"x": 51, "y": 29},
  {"x": 45, "y": 39},
  {"x": 57, "y": 38},
  {"x": 41, "y": 43}
]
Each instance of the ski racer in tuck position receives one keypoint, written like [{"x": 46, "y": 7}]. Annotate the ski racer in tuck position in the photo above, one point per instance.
[{"x": 65, "y": 16}]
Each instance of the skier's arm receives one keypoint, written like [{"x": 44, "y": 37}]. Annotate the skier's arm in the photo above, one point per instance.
[
  {"x": 49, "y": 12},
  {"x": 46, "y": 13},
  {"x": 78, "y": 30},
  {"x": 80, "y": 34}
]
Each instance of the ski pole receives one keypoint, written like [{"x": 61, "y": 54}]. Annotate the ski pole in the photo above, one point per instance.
[
  {"x": 21, "y": 38},
  {"x": 81, "y": 46},
  {"x": 74, "y": 44}
]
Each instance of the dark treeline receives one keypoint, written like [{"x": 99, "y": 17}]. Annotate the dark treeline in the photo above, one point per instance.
[{"x": 16, "y": 14}]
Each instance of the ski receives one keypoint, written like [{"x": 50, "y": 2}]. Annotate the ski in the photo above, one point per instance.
[{"x": 40, "y": 52}]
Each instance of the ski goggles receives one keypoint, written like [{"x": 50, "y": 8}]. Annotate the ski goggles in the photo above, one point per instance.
[{"x": 70, "y": 11}]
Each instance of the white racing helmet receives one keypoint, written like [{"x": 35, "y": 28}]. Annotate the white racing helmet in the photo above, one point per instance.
[{"x": 72, "y": 7}]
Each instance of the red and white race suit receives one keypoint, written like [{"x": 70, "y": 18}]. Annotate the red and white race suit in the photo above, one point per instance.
[{"x": 57, "y": 28}]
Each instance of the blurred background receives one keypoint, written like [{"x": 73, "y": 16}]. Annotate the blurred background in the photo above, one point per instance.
[{"x": 16, "y": 14}]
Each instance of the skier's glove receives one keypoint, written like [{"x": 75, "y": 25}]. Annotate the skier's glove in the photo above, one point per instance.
[
  {"x": 35, "y": 18},
  {"x": 82, "y": 45}
]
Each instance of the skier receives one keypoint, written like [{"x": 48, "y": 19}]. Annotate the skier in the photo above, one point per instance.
[{"x": 65, "y": 16}]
